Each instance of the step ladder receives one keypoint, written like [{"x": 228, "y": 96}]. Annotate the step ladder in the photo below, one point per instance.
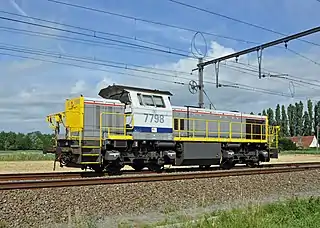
[{"x": 87, "y": 154}]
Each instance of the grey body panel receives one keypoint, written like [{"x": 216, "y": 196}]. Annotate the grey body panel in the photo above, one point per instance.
[
  {"x": 197, "y": 153},
  {"x": 92, "y": 120}
]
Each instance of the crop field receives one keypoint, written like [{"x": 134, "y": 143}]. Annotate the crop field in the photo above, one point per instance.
[{"x": 30, "y": 155}]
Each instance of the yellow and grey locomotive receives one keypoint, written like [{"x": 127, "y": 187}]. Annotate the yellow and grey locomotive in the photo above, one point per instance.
[{"x": 141, "y": 128}]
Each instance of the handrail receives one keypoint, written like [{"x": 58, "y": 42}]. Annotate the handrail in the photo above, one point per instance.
[
  {"x": 230, "y": 132},
  {"x": 111, "y": 129}
]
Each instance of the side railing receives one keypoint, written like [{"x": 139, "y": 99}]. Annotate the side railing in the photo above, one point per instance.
[
  {"x": 273, "y": 137},
  {"x": 55, "y": 120},
  {"x": 115, "y": 126},
  {"x": 218, "y": 129}
]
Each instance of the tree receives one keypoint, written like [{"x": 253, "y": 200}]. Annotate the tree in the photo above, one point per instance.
[
  {"x": 20, "y": 141},
  {"x": 278, "y": 115},
  {"x": 306, "y": 124},
  {"x": 316, "y": 119},
  {"x": 264, "y": 112},
  {"x": 284, "y": 122},
  {"x": 270, "y": 116},
  {"x": 310, "y": 112},
  {"x": 299, "y": 118},
  {"x": 291, "y": 120}
]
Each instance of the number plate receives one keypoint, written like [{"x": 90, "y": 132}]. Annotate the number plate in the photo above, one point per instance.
[{"x": 153, "y": 118}]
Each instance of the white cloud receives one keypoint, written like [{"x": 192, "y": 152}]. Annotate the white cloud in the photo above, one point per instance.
[{"x": 79, "y": 87}]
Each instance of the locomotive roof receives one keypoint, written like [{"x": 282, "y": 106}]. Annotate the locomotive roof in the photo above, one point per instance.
[{"x": 118, "y": 89}]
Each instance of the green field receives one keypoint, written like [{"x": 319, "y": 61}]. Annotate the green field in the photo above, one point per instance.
[{"x": 29, "y": 155}]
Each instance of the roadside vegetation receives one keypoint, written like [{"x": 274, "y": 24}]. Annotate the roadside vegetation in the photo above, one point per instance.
[
  {"x": 291, "y": 213},
  {"x": 25, "y": 156}
]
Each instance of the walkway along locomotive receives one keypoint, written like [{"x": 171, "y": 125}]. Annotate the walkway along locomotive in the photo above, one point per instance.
[{"x": 141, "y": 128}]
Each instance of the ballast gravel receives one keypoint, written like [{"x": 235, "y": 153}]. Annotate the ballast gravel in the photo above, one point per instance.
[{"x": 44, "y": 207}]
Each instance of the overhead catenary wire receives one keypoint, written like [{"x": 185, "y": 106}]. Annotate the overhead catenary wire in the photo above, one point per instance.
[
  {"x": 81, "y": 41},
  {"x": 143, "y": 48},
  {"x": 273, "y": 78},
  {"x": 96, "y": 61},
  {"x": 236, "y": 20},
  {"x": 97, "y": 32},
  {"x": 239, "y": 85},
  {"x": 125, "y": 65},
  {"x": 113, "y": 44},
  {"x": 303, "y": 56},
  {"x": 92, "y": 35},
  {"x": 107, "y": 63},
  {"x": 81, "y": 59},
  {"x": 89, "y": 68},
  {"x": 150, "y": 21},
  {"x": 276, "y": 72}
]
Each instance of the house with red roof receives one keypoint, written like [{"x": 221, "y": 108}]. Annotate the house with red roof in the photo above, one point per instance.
[{"x": 305, "y": 142}]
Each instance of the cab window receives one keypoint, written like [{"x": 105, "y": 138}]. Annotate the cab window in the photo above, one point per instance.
[
  {"x": 147, "y": 100},
  {"x": 158, "y": 100},
  {"x": 140, "y": 99}
]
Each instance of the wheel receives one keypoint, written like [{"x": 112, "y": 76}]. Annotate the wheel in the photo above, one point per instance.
[
  {"x": 227, "y": 164},
  {"x": 252, "y": 164},
  {"x": 137, "y": 168},
  {"x": 156, "y": 167},
  {"x": 97, "y": 168},
  {"x": 114, "y": 168}
]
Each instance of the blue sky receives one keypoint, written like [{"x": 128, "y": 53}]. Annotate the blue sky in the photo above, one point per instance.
[{"x": 31, "y": 89}]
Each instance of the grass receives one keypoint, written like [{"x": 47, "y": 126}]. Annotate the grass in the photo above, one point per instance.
[
  {"x": 311, "y": 151},
  {"x": 291, "y": 213},
  {"x": 25, "y": 156},
  {"x": 288, "y": 214}
]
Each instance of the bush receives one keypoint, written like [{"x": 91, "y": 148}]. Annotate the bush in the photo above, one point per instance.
[{"x": 287, "y": 144}]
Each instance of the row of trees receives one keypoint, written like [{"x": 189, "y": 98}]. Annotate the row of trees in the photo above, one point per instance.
[
  {"x": 295, "y": 120},
  {"x": 18, "y": 141}
]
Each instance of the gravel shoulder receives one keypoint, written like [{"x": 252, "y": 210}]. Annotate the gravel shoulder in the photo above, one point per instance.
[
  {"x": 47, "y": 166},
  {"x": 136, "y": 202}
]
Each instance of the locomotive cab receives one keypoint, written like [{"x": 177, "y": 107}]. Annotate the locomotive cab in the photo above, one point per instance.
[{"x": 149, "y": 112}]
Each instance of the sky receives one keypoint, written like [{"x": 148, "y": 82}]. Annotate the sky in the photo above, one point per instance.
[{"x": 43, "y": 66}]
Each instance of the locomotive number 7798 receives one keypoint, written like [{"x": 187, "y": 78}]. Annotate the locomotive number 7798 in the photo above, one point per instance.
[{"x": 155, "y": 118}]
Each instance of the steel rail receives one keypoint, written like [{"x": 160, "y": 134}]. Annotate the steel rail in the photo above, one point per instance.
[
  {"x": 59, "y": 175},
  {"x": 83, "y": 174},
  {"x": 14, "y": 185}
]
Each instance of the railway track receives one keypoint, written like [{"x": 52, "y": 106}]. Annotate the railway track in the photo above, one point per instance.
[
  {"x": 88, "y": 174},
  {"x": 76, "y": 181}
]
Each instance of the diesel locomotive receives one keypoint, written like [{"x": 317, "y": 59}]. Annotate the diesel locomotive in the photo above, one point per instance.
[{"x": 140, "y": 127}]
